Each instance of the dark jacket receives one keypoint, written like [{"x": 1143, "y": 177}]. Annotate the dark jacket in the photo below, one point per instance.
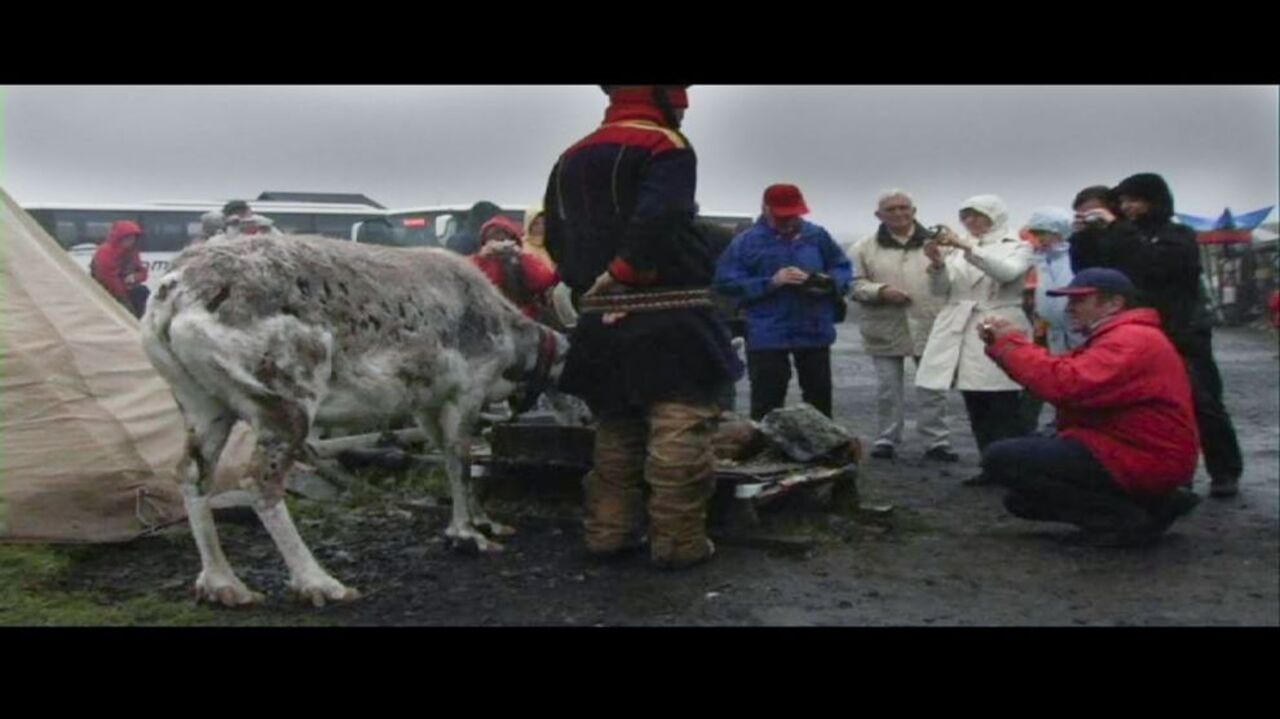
[
  {"x": 1161, "y": 257},
  {"x": 622, "y": 200},
  {"x": 466, "y": 241},
  {"x": 787, "y": 317},
  {"x": 718, "y": 238},
  {"x": 1125, "y": 395}
]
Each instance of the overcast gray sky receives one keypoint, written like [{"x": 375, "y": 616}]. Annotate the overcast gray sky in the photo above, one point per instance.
[{"x": 408, "y": 146}]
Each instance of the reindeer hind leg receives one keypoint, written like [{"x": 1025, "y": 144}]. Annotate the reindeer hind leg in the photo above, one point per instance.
[{"x": 209, "y": 424}]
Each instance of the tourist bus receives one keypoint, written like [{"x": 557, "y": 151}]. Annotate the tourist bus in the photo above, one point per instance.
[{"x": 168, "y": 227}]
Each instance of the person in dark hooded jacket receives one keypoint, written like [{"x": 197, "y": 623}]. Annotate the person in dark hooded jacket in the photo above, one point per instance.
[
  {"x": 1089, "y": 246},
  {"x": 1132, "y": 230},
  {"x": 467, "y": 240}
]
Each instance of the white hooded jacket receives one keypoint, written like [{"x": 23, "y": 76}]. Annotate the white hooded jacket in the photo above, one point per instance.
[{"x": 986, "y": 282}]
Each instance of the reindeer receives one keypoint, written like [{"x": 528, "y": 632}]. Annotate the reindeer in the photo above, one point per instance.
[{"x": 286, "y": 333}]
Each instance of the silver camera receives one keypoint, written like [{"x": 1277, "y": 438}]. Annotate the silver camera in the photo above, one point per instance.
[{"x": 933, "y": 232}]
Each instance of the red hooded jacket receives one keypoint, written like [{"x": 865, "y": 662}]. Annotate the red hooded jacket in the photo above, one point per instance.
[
  {"x": 535, "y": 276},
  {"x": 1125, "y": 395},
  {"x": 112, "y": 263}
]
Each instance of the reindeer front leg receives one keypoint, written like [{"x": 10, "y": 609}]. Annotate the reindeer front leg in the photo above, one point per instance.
[
  {"x": 307, "y": 579},
  {"x": 480, "y": 518},
  {"x": 451, "y": 433}
]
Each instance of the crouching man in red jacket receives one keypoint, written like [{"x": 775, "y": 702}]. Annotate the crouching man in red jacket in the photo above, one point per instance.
[{"x": 1127, "y": 443}]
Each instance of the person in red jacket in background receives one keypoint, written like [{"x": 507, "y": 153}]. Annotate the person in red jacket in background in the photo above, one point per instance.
[
  {"x": 522, "y": 276},
  {"x": 1127, "y": 442},
  {"x": 117, "y": 266}
]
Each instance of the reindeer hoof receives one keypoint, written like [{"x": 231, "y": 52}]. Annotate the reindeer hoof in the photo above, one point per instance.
[
  {"x": 490, "y": 547},
  {"x": 227, "y": 592},
  {"x": 318, "y": 593},
  {"x": 496, "y": 529},
  {"x": 466, "y": 546},
  {"x": 472, "y": 543}
]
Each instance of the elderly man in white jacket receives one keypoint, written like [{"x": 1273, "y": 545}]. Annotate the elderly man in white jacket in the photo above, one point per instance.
[
  {"x": 981, "y": 275},
  {"x": 898, "y": 309}
]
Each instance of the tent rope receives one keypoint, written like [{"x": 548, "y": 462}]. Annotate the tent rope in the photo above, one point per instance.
[{"x": 148, "y": 527}]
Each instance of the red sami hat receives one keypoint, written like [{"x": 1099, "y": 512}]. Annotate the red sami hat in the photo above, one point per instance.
[{"x": 677, "y": 96}]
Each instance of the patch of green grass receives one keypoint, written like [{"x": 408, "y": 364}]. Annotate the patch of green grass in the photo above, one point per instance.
[
  {"x": 432, "y": 482},
  {"x": 26, "y": 564},
  {"x": 39, "y": 584},
  {"x": 373, "y": 487},
  {"x": 31, "y": 595}
]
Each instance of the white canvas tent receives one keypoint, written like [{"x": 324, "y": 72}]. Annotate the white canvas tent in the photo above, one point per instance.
[{"x": 90, "y": 436}]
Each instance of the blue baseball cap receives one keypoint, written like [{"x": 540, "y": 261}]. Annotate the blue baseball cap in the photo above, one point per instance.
[{"x": 1097, "y": 279}]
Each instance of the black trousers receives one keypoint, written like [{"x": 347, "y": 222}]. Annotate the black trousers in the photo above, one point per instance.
[
  {"x": 138, "y": 296},
  {"x": 1054, "y": 479},
  {"x": 1218, "y": 440},
  {"x": 1029, "y": 407},
  {"x": 770, "y": 373},
  {"x": 994, "y": 415}
]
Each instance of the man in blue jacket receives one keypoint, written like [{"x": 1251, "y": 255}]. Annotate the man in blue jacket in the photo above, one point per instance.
[{"x": 790, "y": 276}]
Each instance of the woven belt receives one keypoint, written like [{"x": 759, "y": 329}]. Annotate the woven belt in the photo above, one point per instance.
[{"x": 645, "y": 301}]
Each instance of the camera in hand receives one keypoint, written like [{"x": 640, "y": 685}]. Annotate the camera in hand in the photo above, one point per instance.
[
  {"x": 819, "y": 285},
  {"x": 822, "y": 286}
]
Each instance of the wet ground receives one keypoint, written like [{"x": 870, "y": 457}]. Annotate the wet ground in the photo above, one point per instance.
[{"x": 949, "y": 555}]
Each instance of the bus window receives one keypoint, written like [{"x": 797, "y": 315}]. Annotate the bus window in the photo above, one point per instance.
[
  {"x": 92, "y": 226},
  {"x": 446, "y": 225},
  {"x": 418, "y": 232},
  {"x": 96, "y": 231},
  {"x": 338, "y": 226},
  {"x": 374, "y": 232},
  {"x": 167, "y": 231},
  {"x": 737, "y": 223},
  {"x": 291, "y": 223},
  {"x": 62, "y": 229},
  {"x": 415, "y": 229},
  {"x": 44, "y": 218}
]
